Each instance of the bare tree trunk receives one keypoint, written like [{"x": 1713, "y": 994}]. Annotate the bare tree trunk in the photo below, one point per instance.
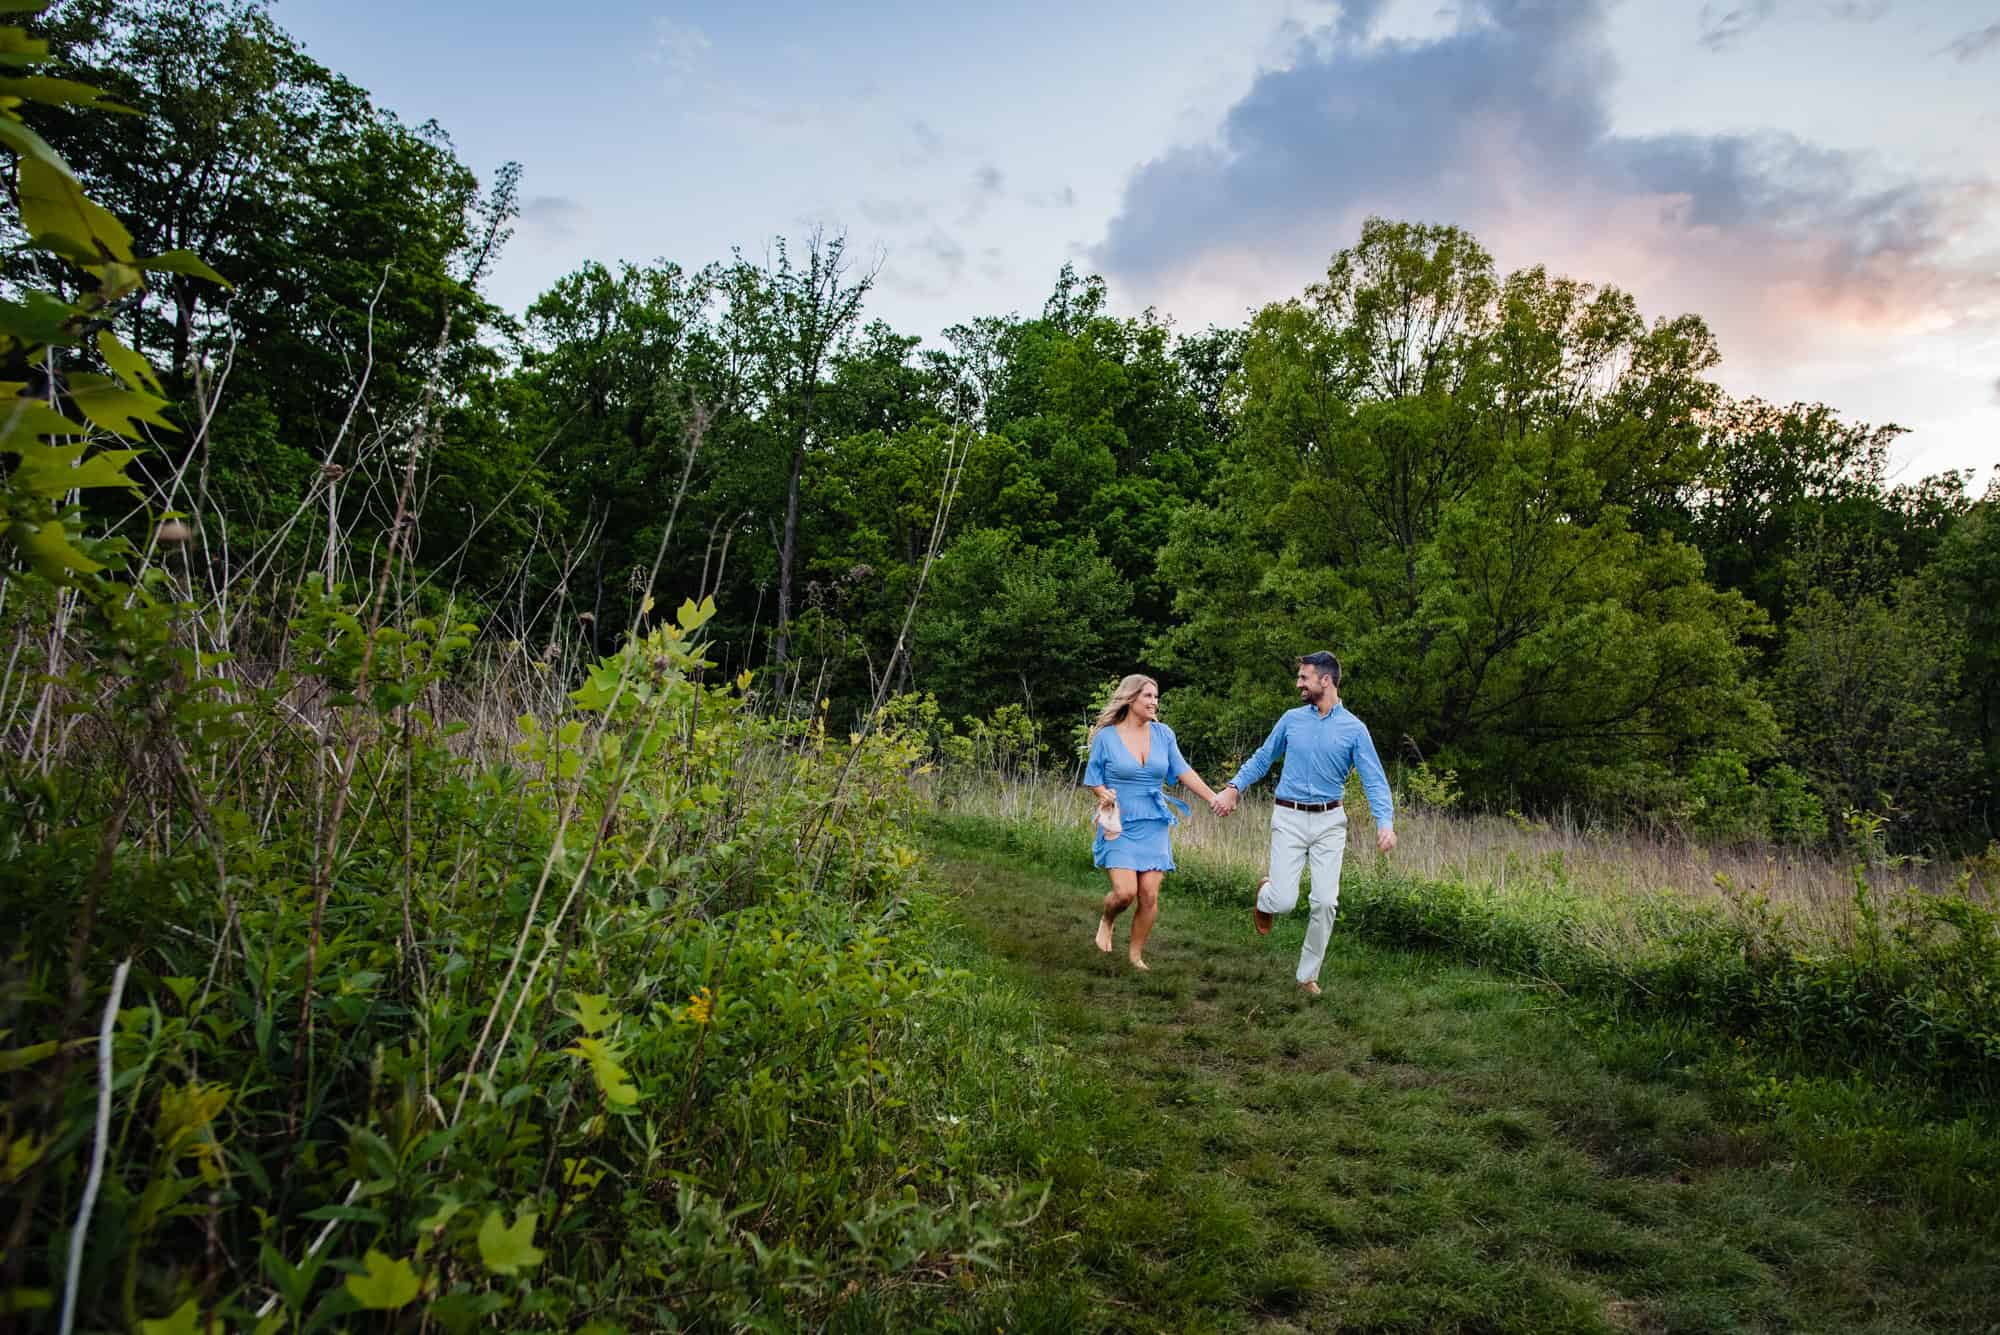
[
  {"x": 788, "y": 547},
  {"x": 597, "y": 603},
  {"x": 813, "y": 314}
]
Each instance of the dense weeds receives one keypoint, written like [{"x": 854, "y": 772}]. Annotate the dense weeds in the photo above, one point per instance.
[{"x": 614, "y": 1024}]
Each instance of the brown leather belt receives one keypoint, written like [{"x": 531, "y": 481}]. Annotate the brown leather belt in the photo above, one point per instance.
[{"x": 1310, "y": 808}]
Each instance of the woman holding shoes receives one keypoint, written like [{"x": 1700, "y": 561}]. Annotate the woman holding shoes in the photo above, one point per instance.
[{"x": 1132, "y": 756}]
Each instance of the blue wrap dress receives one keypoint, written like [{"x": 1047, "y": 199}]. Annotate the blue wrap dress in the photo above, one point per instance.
[{"x": 1147, "y": 813}]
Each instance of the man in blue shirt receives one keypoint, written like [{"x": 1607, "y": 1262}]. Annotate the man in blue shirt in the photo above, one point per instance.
[{"x": 1321, "y": 743}]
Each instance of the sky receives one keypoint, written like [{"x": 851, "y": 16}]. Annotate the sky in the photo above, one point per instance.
[{"x": 1819, "y": 179}]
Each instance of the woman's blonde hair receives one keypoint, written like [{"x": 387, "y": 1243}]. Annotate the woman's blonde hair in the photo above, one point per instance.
[{"x": 1121, "y": 700}]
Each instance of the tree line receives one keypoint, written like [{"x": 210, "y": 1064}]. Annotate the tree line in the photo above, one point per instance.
[{"x": 1557, "y": 560}]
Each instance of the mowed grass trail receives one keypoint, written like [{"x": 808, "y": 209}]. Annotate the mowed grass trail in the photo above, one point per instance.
[{"x": 1428, "y": 1147}]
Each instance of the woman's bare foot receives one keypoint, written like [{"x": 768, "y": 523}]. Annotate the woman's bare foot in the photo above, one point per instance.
[
  {"x": 1104, "y": 934},
  {"x": 1139, "y": 964},
  {"x": 1309, "y": 987}
]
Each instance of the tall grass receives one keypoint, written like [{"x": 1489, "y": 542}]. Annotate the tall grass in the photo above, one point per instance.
[
  {"x": 1616, "y": 876},
  {"x": 450, "y": 979},
  {"x": 1899, "y": 982}
]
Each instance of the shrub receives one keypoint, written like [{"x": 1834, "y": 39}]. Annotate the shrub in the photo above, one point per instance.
[{"x": 618, "y": 1028}]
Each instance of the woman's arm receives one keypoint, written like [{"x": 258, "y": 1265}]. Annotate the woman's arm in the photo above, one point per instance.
[
  {"x": 1096, "y": 771},
  {"x": 1193, "y": 783},
  {"x": 1178, "y": 766}
]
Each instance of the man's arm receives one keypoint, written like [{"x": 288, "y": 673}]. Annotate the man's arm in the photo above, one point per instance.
[
  {"x": 1255, "y": 768},
  {"x": 1375, "y": 783}
]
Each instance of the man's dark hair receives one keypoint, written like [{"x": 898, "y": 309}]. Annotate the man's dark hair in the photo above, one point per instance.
[{"x": 1323, "y": 663}]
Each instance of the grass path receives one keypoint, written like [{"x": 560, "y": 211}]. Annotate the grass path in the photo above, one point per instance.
[{"x": 1428, "y": 1147}]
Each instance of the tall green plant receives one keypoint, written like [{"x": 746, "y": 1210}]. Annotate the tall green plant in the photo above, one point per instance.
[{"x": 54, "y": 422}]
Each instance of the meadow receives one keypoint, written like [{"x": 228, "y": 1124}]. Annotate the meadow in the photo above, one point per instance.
[{"x": 416, "y": 915}]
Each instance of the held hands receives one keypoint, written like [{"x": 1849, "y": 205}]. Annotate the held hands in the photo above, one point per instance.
[{"x": 1224, "y": 802}]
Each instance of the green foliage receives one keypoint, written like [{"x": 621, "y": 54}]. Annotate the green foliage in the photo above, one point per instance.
[
  {"x": 1452, "y": 509},
  {"x": 1036, "y": 627},
  {"x": 620, "y": 1023},
  {"x": 972, "y": 752},
  {"x": 49, "y": 447},
  {"x": 1867, "y": 685},
  {"x": 351, "y": 924},
  {"x": 1430, "y": 789},
  {"x": 1727, "y": 804}
]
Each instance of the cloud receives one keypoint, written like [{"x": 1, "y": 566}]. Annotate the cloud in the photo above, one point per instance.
[
  {"x": 925, "y": 145},
  {"x": 893, "y": 213},
  {"x": 1064, "y": 198},
  {"x": 680, "y": 49},
  {"x": 1357, "y": 19},
  {"x": 1503, "y": 125},
  {"x": 554, "y": 217},
  {"x": 988, "y": 188},
  {"x": 929, "y": 266},
  {"x": 943, "y": 251},
  {"x": 1975, "y": 44},
  {"x": 1720, "y": 28}
]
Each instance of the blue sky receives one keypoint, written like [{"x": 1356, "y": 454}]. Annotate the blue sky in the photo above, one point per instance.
[{"x": 1818, "y": 178}]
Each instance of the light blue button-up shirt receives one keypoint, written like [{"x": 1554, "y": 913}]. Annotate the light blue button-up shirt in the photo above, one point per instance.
[{"x": 1319, "y": 752}]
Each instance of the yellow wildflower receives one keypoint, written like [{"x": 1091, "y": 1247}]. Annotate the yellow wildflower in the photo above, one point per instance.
[{"x": 699, "y": 1008}]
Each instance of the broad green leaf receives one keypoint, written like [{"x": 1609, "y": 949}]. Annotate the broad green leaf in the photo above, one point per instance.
[
  {"x": 59, "y": 93},
  {"x": 23, "y": 419},
  {"x": 51, "y": 471},
  {"x": 692, "y": 616},
  {"x": 132, "y": 368},
  {"x": 25, "y": 1300},
  {"x": 508, "y": 1251},
  {"x": 613, "y": 1081},
  {"x": 183, "y": 262},
  {"x": 100, "y": 399},
  {"x": 16, "y": 47},
  {"x": 60, "y": 216},
  {"x": 115, "y": 279},
  {"x": 28, "y": 144},
  {"x": 48, "y": 549},
  {"x": 293, "y": 1282},
  {"x": 438, "y": 1218},
  {"x": 23, "y": 1152},
  {"x": 578, "y": 1173},
  {"x": 15, "y": 1059},
  {"x": 462, "y": 1312},
  {"x": 37, "y": 318},
  {"x": 389, "y": 1283},
  {"x": 593, "y": 1012},
  {"x": 184, "y": 1320}
]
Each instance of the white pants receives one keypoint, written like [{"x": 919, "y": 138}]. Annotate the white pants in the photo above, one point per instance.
[{"x": 1297, "y": 836}]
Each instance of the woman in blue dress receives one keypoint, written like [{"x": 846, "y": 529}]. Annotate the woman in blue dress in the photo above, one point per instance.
[{"x": 1132, "y": 754}]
